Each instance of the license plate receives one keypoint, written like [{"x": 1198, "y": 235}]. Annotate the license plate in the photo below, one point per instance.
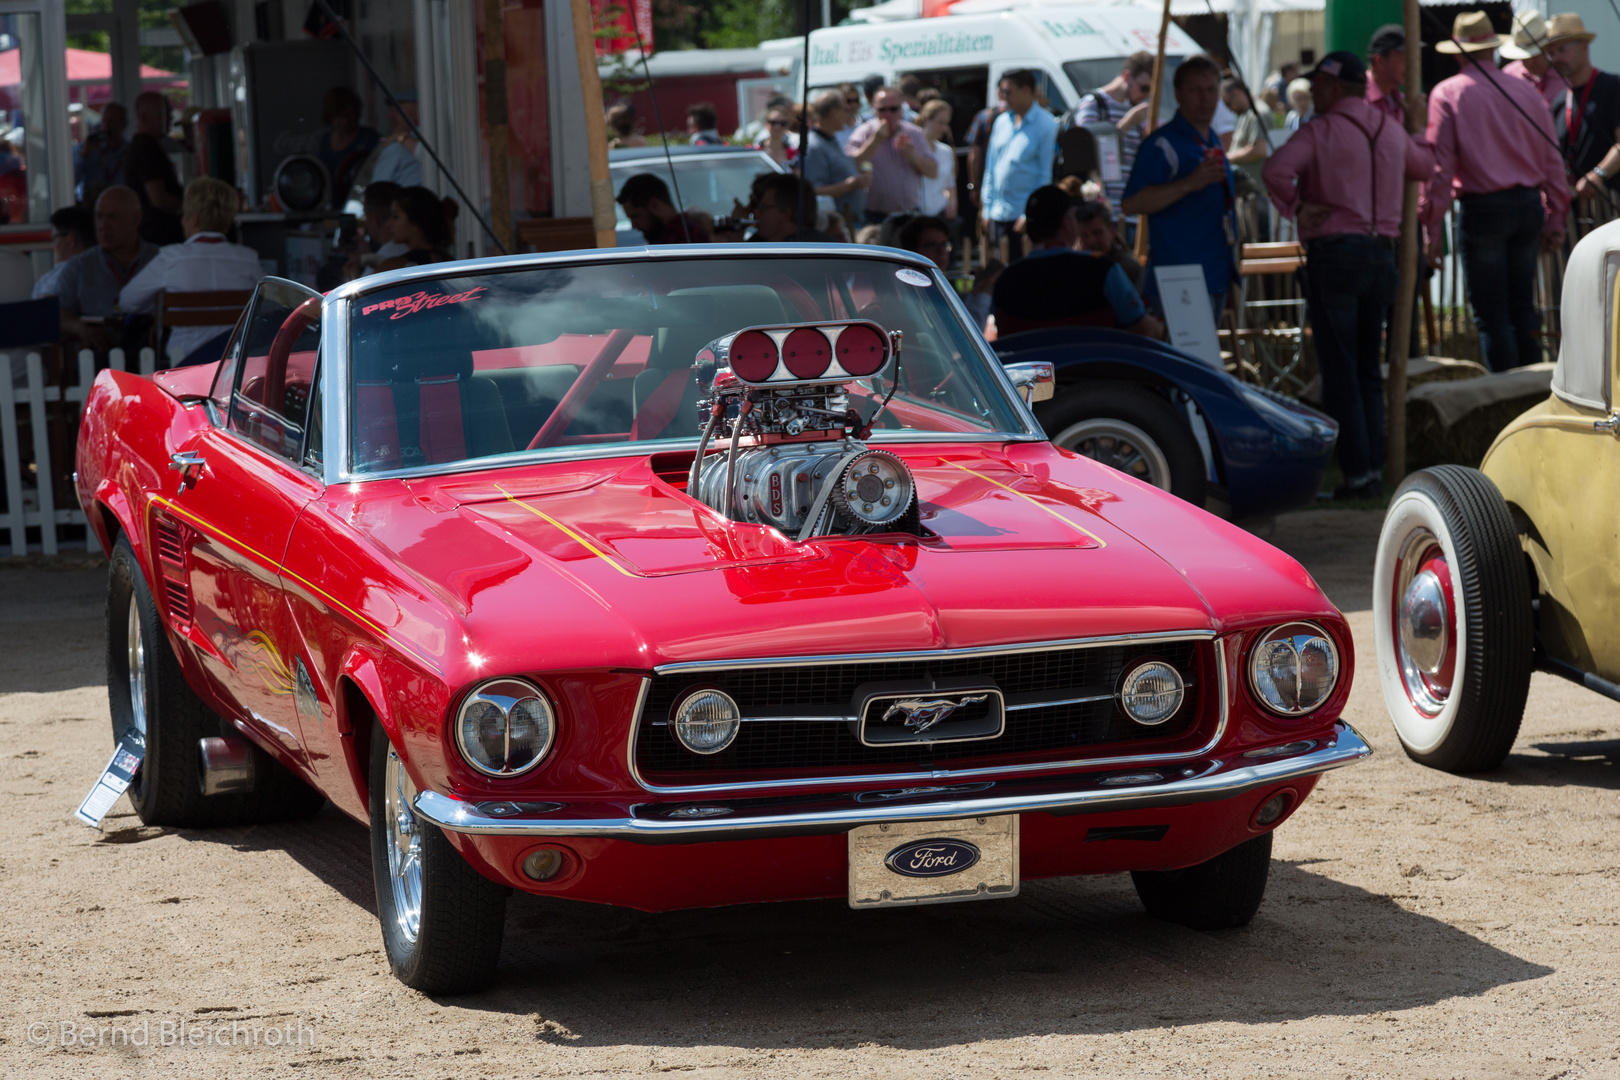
[{"x": 933, "y": 862}]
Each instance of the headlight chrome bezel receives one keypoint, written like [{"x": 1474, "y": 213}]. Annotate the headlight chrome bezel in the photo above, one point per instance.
[
  {"x": 1144, "y": 668},
  {"x": 490, "y": 692},
  {"x": 686, "y": 698},
  {"x": 1296, "y": 631}
]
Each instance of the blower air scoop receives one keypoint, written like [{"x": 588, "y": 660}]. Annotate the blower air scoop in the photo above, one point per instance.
[{"x": 796, "y": 459}]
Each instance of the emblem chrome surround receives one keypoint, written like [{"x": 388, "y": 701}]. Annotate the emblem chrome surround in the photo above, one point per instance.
[
  {"x": 923, "y": 713},
  {"x": 911, "y": 712}
]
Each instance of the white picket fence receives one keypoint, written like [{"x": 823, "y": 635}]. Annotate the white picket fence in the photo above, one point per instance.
[{"x": 35, "y": 507}]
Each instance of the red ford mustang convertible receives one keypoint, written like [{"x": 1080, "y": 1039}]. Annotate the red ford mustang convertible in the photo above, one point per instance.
[{"x": 686, "y": 577}]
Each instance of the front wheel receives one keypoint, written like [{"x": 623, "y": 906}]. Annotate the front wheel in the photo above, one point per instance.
[
  {"x": 1221, "y": 894},
  {"x": 1451, "y": 620},
  {"x": 1130, "y": 428},
  {"x": 442, "y": 921}
]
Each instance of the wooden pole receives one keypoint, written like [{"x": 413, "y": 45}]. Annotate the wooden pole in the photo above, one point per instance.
[
  {"x": 590, "y": 85},
  {"x": 1153, "y": 118},
  {"x": 500, "y": 181},
  {"x": 1400, "y": 330}
]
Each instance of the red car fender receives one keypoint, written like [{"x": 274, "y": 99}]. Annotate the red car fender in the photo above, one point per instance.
[{"x": 360, "y": 668}]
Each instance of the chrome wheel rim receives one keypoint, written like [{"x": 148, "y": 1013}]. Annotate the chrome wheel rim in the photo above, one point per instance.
[
  {"x": 1425, "y": 630},
  {"x": 404, "y": 847},
  {"x": 1118, "y": 445},
  {"x": 135, "y": 660}
]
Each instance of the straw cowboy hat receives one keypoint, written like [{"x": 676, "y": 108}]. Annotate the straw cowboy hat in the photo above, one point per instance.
[
  {"x": 1471, "y": 32},
  {"x": 1567, "y": 27},
  {"x": 1529, "y": 35}
]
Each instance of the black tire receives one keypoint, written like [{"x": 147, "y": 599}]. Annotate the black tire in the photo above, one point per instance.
[
  {"x": 166, "y": 790},
  {"x": 457, "y": 943},
  {"x": 1459, "y": 514},
  {"x": 1106, "y": 420},
  {"x": 1221, "y": 894}
]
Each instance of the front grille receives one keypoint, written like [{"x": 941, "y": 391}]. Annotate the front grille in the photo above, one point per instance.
[{"x": 767, "y": 748}]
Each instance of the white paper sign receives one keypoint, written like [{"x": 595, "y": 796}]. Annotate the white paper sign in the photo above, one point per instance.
[
  {"x": 113, "y": 782},
  {"x": 1187, "y": 313}
]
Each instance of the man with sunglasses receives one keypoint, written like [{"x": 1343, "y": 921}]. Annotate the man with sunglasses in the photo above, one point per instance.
[
  {"x": 895, "y": 150},
  {"x": 1123, "y": 102}
]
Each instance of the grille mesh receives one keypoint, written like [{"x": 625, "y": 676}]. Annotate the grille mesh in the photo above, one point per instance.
[{"x": 1031, "y": 735}]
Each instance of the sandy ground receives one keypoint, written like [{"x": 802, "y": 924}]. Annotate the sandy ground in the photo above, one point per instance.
[{"x": 1416, "y": 925}]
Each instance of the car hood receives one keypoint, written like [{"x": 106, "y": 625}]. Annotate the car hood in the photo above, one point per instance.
[{"x": 604, "y": 563}]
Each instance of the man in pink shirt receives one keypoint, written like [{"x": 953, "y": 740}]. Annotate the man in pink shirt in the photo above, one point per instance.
[
  {"x": 1495, "y": 154},
  {"x": 1386, "y": 72},
  {"x": 1528, "y": 61},
  {"x": 1342, "y": 177}
]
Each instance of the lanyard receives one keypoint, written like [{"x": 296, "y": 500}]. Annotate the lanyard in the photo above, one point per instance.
[
  {"x": 119, "y": 274},
  {"x": 1572, "y": 120}
]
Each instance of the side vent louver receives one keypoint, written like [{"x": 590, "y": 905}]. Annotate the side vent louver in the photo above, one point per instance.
[{"x": 171, "y": 561}]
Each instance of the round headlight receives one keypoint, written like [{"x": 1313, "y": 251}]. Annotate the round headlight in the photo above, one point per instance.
[
  {"x": 705, "y": 721},
  {"x": 505, "y": 727},
  {"x": 1151, "y": 693},
  {"x": 1293, "y": 668}
]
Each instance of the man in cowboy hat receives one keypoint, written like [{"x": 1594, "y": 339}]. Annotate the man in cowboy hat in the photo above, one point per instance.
[
  {"x": 1529, "y": 62},
  {"x": 1587, "y": 115},
  {"x": 1496, "y": 154},
  {"x": 1342, "y": 177}
]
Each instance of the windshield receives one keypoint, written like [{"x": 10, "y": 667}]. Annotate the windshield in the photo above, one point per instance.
[
  {"x": 708, "y": 182},
  {"x": 480, "y": 365}
]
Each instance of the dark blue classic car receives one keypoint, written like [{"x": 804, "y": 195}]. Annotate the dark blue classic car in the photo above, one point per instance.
[{"x": 1151, "y": 410}]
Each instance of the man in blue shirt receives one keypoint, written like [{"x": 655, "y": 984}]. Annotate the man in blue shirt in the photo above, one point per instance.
[
  {"x": 1023, "y": 142},
  {"x": 1056, "y": 285},
  {"x": 1182, "y": 182}
]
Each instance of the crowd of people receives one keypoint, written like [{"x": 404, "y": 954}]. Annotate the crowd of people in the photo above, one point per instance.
[
  {"x": 136, "y": 233},
  {"x": 1326, "y": 149}
]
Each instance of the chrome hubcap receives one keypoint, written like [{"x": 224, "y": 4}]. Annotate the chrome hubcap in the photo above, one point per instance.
[
  {"x": 1425, "y": 622},
  {"x": 135, "y": 647},
  {"x": 404, "y": 847},
  {"x": 1118, "y": 445}
]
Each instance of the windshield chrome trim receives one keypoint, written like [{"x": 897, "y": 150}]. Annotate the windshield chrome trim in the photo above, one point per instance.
[
  {"x": 1222, "y": 687},
  {"x": 335, "y": 344},
  {"x": 335, "y": 398}
]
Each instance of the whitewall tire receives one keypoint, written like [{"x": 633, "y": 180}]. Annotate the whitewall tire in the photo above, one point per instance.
[{"x": 1454, "y": 639}]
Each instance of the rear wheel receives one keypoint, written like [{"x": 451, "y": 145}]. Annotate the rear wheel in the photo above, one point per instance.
[
  {"x": 442, "y": 921},
  {"x": 150, "y": 699},
  {"x": 1129, "y": 428},
  {"x": 1221, "y": 894},
  {"x": 1452, "y": 623}
]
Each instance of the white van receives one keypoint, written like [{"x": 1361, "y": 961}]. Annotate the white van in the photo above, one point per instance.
[{"x": 1070, "y": 48}]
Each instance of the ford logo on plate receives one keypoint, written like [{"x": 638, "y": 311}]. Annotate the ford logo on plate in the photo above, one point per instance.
[{"x": 932, "y": 858}]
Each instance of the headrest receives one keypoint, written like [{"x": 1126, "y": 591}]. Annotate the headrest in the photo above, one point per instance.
[{"x": 1586, "y": 348}]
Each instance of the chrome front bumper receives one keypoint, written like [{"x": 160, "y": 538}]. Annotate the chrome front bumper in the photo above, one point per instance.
[{"x": 699, "y": 821}]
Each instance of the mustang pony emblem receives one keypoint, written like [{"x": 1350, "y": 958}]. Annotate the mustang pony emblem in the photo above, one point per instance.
[{"x": 920, "y": 714}]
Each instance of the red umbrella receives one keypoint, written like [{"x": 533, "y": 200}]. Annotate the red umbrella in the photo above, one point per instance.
[{"x": 89, "y": 76}]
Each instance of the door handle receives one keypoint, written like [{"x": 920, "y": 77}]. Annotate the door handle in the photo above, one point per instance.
[{"x": 184, "y": 463}]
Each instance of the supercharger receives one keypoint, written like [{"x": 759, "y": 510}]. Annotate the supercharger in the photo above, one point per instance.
[{"x": 790, "y": 450}]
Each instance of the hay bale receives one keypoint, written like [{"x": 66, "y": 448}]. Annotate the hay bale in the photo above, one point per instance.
[{"x": 1454, "y": 421}]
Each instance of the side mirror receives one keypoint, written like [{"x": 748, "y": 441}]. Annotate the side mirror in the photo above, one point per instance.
[{"x": 1033, "y": 380}]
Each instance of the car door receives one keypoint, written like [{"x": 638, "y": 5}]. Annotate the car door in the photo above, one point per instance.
[{"x": 244, "y": 482}]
